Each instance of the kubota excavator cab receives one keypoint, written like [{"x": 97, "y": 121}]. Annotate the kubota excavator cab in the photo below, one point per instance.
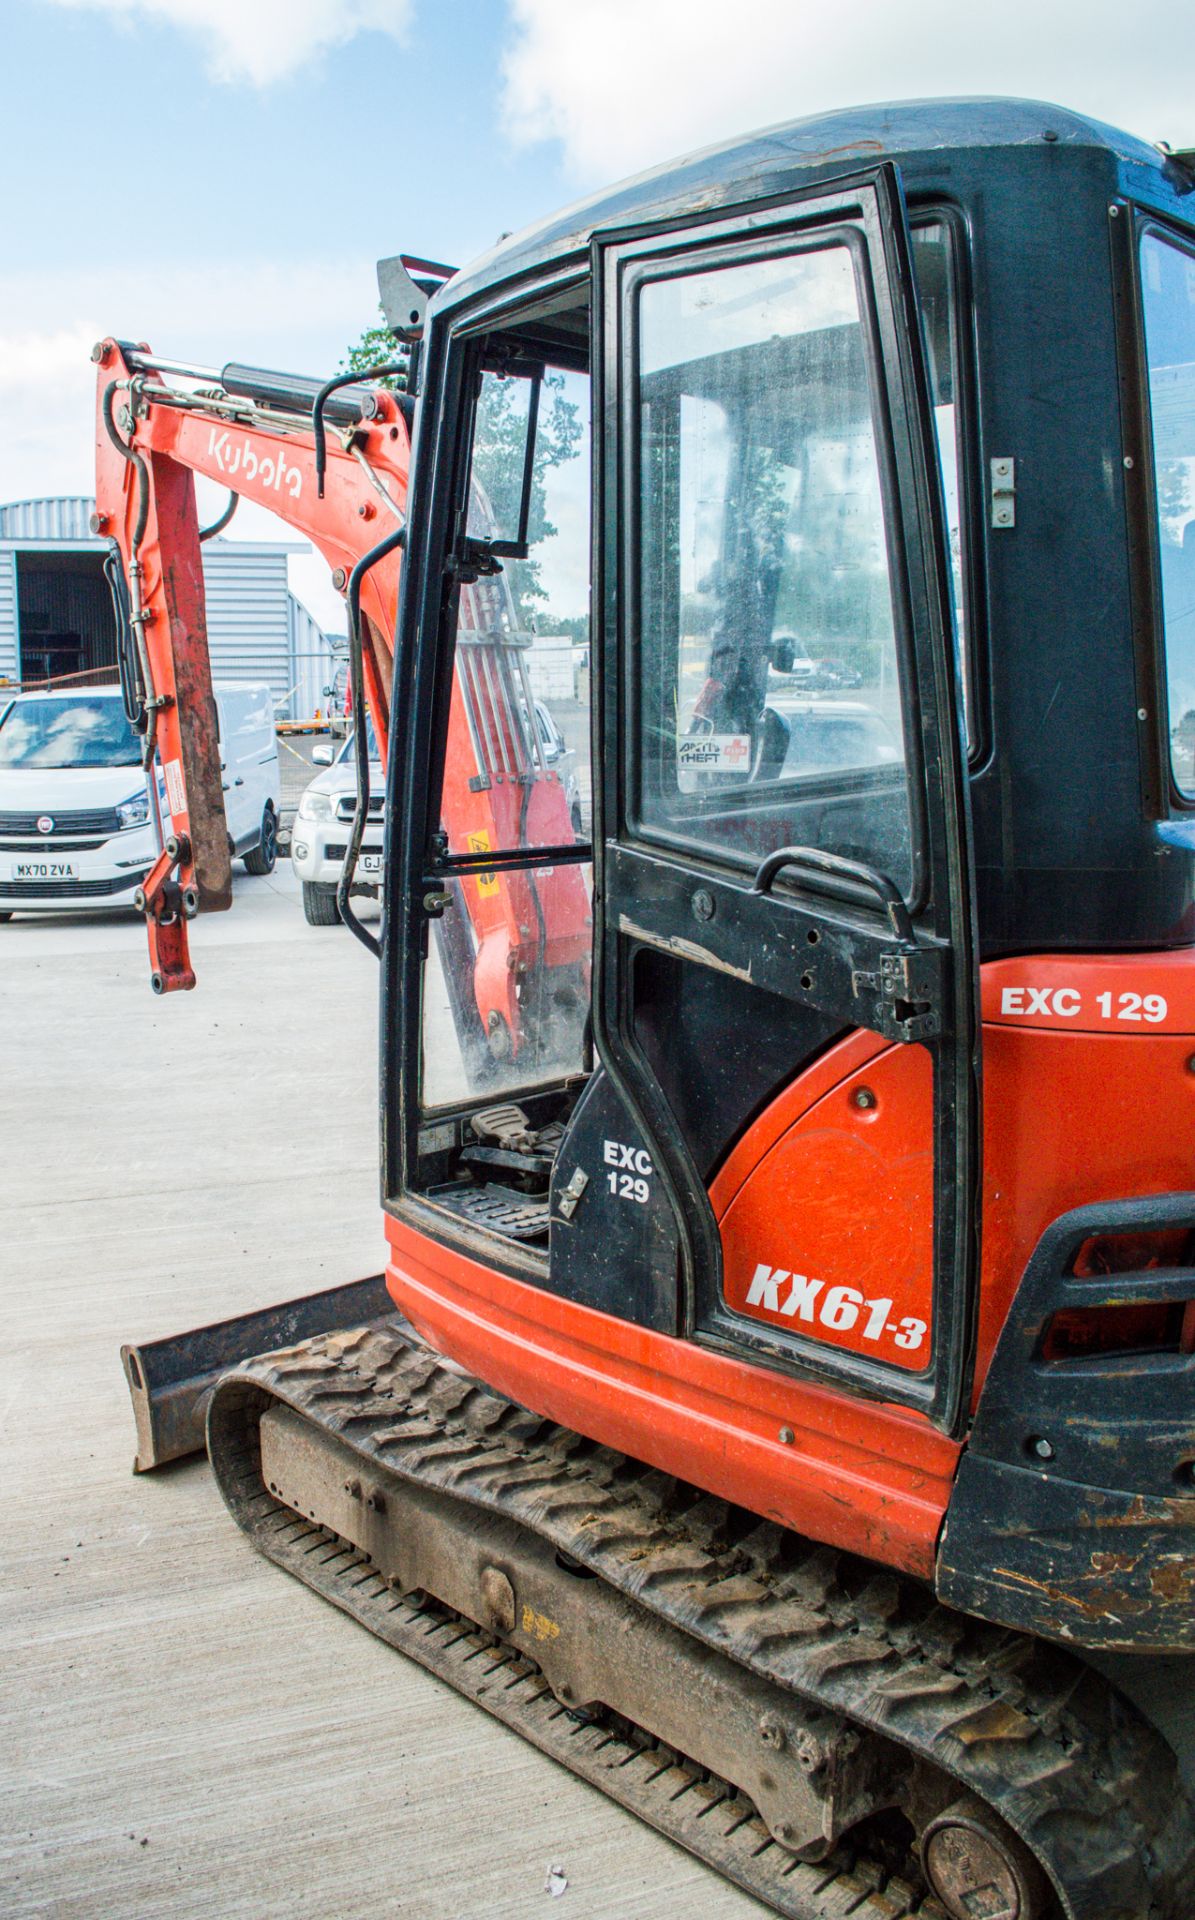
[
  {"x": 788, "y": 1183},
  {"x": 909, "y": 392}
]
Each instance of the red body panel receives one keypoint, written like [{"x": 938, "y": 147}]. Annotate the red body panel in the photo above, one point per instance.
[
  {"x": 873, "y": 1478},
  {"x": 1073, "y": 1113},
  {"x": 850, "y": 1275}
]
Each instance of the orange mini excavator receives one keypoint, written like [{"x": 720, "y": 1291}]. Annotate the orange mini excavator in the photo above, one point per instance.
[{"x": 784, "y": 1369}]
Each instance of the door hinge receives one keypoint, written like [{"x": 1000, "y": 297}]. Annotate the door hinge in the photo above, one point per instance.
[
  {"x": 1004, "y": 491},
  {"x": 570, "y": 1196},
  {"x": 903, "y": 997}
]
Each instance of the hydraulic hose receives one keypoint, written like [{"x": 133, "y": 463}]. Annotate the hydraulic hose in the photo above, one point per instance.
[
  {"x": 136, "y": 614},
  {"x": 361, "y": 736},
  {"x": 131, "y": 454},
  {"x": 329, "y": 387},
  {"x": 218, "y": 526}
]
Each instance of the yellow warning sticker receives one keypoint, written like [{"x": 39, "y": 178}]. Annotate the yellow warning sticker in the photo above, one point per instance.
[
  {"x": 487, "y": 883},
  {"x": 540, "y": 1625}
]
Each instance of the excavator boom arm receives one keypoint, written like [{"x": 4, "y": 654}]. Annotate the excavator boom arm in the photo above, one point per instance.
[{"x": 152, "y": 437}]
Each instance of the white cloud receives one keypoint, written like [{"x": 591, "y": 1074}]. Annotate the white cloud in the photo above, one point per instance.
[
  {"x": 261, "y": 41},
  {"x": 301, "y": 316},
  {"x": 621, "y": 84}
]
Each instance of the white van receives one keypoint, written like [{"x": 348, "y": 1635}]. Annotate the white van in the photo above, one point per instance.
[
  {"x": 74, "y": 811},
  {"x": 249, "y": 758}
]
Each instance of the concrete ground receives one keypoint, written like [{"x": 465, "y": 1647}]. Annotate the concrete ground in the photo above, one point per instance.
[{"x": 183, "y": 1729}]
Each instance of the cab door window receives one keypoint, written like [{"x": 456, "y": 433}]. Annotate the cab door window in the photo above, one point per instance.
[
  {"x": 768, "y": 680},
  {"x": 506, "y": 980}
]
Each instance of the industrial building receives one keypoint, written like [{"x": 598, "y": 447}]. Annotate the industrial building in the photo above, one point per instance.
[{"x": 56, "y": 618}]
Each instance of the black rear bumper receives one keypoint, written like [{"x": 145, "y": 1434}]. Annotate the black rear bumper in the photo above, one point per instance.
[{"x": 1073, "y": 1513}]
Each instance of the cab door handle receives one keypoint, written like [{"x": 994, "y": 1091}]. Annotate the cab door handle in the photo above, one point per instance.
[{"x": 813, "y": 864}]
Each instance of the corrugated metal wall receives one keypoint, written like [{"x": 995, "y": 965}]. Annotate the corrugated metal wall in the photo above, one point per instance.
[
  {"x": 30, "y": 521},
  {"x": 248, "y": 623},
  {"x": 312, "y": 663}
]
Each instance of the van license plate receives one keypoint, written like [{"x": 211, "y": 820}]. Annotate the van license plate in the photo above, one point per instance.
[
  {"x": 371, "y": 863},
  {"x": 44, "y": 870}
]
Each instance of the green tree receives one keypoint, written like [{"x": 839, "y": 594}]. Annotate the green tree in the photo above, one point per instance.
[{"x": 377, "y": 347}]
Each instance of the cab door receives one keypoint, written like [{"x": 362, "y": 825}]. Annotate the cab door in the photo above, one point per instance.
[{"x": 782, "y": 887}]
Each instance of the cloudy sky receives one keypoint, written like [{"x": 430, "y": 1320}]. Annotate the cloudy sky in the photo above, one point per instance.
[{"x": 218, "y": 176}]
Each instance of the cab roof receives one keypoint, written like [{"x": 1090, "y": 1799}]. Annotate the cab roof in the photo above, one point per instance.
[{"x": 926, "y": 138}]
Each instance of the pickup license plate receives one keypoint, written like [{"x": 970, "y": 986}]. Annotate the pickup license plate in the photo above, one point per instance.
[
  {"x": 371, "y": 863},
  {"x": 44, "y": 870}
]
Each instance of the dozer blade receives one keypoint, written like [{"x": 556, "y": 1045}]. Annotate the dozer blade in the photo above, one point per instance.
[{"x": 171, "y": 1380}]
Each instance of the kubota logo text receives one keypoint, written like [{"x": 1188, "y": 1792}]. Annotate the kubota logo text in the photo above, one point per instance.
[{"x": 234, "y": 454}]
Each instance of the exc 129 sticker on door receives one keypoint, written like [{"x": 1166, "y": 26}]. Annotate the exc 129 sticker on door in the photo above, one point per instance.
[{"x": 629, "y": 1171}]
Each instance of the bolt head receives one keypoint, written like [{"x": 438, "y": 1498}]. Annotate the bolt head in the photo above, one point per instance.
[{"x": 863, "y": 1098}]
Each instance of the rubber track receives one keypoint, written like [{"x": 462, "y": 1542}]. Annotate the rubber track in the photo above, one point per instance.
[
  {"x": 704, "y": 1815},
  {"x": 1065, "y": 1759}
]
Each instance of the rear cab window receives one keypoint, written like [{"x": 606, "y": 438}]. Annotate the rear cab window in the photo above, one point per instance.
[{"x": 1168, "y": 304}]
